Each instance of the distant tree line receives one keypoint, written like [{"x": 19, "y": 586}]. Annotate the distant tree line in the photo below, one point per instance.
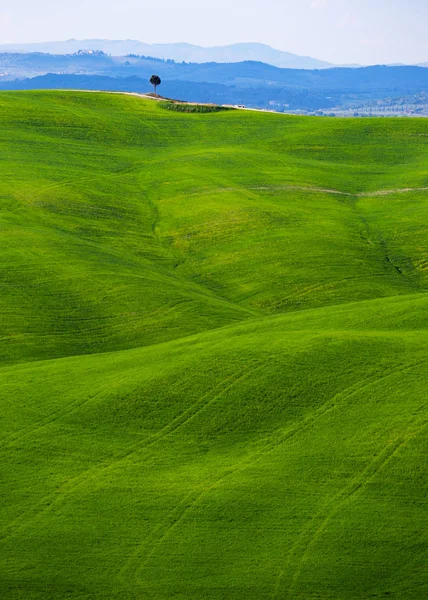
[{"x": 168, "y": 61}]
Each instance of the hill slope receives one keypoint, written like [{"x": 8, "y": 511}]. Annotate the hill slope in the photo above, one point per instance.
[{"x": 214, "y": 344}]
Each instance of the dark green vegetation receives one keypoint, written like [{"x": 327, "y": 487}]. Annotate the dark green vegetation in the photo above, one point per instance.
[
  {"x": 193, "y": 108},
  {"x": 155, "y": 80},
  {"x": 214, "y": 353}
]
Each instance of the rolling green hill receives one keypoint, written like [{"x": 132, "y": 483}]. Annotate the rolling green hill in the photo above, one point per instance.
[{"x": 213, "y": 353}]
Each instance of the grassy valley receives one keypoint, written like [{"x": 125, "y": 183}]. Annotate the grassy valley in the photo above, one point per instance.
[{"x": 213, "y": 353}]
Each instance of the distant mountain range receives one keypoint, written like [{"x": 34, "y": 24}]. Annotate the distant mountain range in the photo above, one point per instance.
[
  {"x": 178, "y": 52},
  {"x": 243, "y": 75},
  {"x": 251, "y": 83}
]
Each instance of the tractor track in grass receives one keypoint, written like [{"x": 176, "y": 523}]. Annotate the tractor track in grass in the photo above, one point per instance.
[
  {"x": 267, "y": 446},
  {"x": 48, "y": 503},
  {"x": 179, "y": 513},
  {"x": 347, "y": 495},
  {"x": 89, "y": 475},
  {"x": 56, "y": 415},
  {"x": 309, "y": 536}
]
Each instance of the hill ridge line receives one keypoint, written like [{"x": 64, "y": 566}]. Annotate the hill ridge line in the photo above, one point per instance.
[{"x": 417, "y": 295}]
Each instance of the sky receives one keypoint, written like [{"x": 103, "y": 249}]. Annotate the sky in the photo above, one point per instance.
[{"x": 337, "y": 31}]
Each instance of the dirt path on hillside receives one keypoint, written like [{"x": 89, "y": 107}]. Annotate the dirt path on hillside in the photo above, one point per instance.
[
  {"x": 390, "y": 192},
  {"x": 320, "y": 190},
  {"x": 339, "y": 193}
]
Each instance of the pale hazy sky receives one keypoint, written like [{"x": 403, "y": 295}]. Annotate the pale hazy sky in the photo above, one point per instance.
[{"x": 339, "y": 31}]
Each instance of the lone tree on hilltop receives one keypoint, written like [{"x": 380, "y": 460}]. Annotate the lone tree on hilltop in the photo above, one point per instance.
[{"x": 155, "y": 80}]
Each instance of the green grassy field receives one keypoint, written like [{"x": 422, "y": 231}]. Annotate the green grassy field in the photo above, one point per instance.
[{"x": 213, "y": 350}]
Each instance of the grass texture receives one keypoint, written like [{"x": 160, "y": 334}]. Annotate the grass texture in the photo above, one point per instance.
[{"x": 213, "y": 353}]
